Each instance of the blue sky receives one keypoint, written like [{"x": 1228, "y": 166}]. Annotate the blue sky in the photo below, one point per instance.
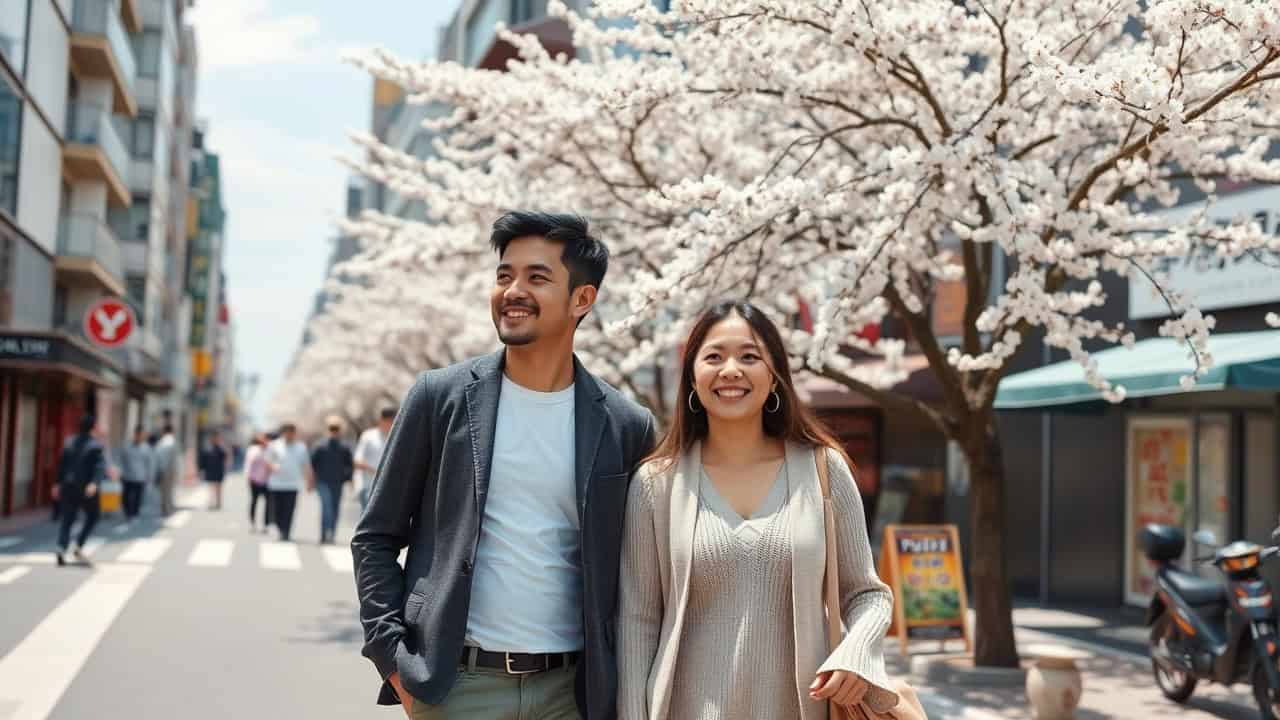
[{"x": 279, "y": 106}]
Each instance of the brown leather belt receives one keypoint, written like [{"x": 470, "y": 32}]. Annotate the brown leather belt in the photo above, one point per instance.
[{"x": 516, "y": 663}]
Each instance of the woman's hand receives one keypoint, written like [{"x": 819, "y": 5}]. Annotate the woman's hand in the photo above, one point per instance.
[{"x": 840, "y": 686}]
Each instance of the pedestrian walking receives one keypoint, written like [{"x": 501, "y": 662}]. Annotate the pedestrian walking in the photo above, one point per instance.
[
  {"x": 165, "y": 466},
  {"x": 332, "y": 464},
  {"x": 369, "y": 453},
  {"x": 135, "y": 472},
  {"x": 213, "y": 465},
  {"x": 724, "y": 551},
  {"x": 505, "y": 476},
  {"x": 257, "y": 470},
  {"x": 82, "y": 468},
  {"x": 290, "y": 465}
]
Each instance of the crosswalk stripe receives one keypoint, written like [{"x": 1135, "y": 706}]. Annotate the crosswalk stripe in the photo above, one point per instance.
[
  {"x": 211, "y": 553},
  {"x": 29, "y": 558},
  {"x": 178, "y": 519},
  {"x": 35, "y": 674},
  {"x": 339, "y": 559},
  {"x": 279, "y": 556},
  {"x": 8, "y": 542},
  {"x": 13, "y": 573},
  {"x": 145, "y": 551}
]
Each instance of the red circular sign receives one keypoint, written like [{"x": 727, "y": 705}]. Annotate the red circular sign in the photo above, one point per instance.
[{"x": 109, "y": 322}]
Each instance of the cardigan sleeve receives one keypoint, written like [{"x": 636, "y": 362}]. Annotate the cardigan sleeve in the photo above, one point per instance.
[
  {"x": 640, "y": 606},
  {"x": 865, "y": 601}
]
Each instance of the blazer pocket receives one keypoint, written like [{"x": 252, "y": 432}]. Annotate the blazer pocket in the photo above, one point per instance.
[{"x": 413, "y": 608}]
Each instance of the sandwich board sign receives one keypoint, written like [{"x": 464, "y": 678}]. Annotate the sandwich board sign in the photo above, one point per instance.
[{"x": 922, "y": 564}]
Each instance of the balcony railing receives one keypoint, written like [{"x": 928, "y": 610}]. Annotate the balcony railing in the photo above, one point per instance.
[
  {"x": 102, "y": 17},
  {"x": 92, "y": 125},
  {"x": 86, "y": 236}
]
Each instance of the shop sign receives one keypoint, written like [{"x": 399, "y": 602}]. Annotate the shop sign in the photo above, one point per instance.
[
  {"x": 1159, "y": 485},
  {"x": 922, "y": 565},
  {"x": 26, "y": 347},
  {"x": 1210, "y": 281}
]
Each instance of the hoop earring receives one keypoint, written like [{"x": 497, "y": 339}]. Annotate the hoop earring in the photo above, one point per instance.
[
  {"x": 693, "y": 394},
  {"x": 777, "y": 405}
]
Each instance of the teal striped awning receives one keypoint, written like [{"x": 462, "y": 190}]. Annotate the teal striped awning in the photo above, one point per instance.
[{"x": 1241, "y": 361}]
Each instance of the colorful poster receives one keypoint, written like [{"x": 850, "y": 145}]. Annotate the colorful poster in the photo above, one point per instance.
[
  {"x": 1159, "y": 488},
  {"x": 928, "y": 581}
]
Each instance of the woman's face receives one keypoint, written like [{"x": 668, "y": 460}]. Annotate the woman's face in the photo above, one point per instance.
[{"x": 731, "y": 372}]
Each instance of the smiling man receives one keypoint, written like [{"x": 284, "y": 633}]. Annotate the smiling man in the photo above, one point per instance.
[{"x": 506, "y": 476}]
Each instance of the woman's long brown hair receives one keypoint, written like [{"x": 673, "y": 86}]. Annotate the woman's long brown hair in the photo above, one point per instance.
[{"x": 793, "y": 421}]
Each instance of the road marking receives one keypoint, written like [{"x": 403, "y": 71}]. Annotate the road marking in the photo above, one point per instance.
[
  {"x": 13, "y": 573},
  {"x": 279, "y": 556},
  {"x": 30, "y": 558},
  {"x": 211, "y": 553},
  {"x": 8, "y": 542},
  {"x": 339, "y": 559},
  {"x": 178, "y": 519},
  {"x": 145, "y": 551},
  {"x": 38, "y": 671}
]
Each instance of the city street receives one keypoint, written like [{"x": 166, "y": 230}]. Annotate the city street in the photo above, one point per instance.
[{"x": 196, "y": 618}]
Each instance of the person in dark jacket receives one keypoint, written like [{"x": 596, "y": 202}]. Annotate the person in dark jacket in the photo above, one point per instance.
[
  {"x": 81, "y": 469},
  {"x": 213, "y": 463},
  {"x": 333, "y": 464}
]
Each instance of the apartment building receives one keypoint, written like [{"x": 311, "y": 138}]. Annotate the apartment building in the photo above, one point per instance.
[{"x": 95, "y": 105}]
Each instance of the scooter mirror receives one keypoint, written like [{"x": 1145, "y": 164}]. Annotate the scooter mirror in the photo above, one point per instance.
[{"x": 1205, "y": 537}]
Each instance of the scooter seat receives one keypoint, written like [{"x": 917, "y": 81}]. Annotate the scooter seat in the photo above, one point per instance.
[{"x": 1197, "y": 591}]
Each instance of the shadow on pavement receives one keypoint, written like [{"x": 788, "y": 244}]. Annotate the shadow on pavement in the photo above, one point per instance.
[{"x": 340, "y": 624}]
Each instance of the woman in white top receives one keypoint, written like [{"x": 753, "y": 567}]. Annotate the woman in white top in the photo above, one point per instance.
[{"x": 721, "y": 612}]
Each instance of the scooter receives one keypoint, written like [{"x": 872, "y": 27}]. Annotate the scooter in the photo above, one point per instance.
[{"x": 1221, "y": 631}]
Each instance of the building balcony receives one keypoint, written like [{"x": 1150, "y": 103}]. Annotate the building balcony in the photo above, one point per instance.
[
  {"x": 142, "y": 176},
  {"x": 95, "y": 152},
  {"x": 135, "y": 258},
  {"x": 100, "y": 47},
  {"x": 89, "y": 253}
]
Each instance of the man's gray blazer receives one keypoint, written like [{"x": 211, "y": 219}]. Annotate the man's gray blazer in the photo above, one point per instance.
[{"x": 429, "y": 494}]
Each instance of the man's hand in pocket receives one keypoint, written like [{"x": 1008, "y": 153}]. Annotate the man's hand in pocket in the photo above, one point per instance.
[{"x": 406, "y": 699}]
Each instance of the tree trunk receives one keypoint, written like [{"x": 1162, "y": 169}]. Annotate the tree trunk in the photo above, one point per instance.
[{"x": 993, "y": 641}]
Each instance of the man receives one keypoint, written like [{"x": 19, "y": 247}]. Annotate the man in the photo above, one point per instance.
[
  {"x": 290, "y": 465},
  {"x": 165, "y": 460},
  {"x": 213, "y": 463},
  {"x": 332, "y": 463},
  {"x": 135, "y": 471},
  {"x": 81, "y": 470},
  {"x": 506, "y": 476},
  {"x": 369, "y": 454}
]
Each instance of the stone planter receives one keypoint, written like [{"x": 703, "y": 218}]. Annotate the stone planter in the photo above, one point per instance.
[{"x": 1054, "y": 685}]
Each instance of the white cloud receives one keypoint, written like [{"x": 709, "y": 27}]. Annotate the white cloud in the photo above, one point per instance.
[{"x": 243, "y": 33}]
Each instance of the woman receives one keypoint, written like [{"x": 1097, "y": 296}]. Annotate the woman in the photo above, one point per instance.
[
  {"x": 257, "y": 470},
  {"x": 721, "y": 612}
]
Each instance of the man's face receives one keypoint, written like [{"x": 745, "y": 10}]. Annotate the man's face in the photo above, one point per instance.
[
  {"x": 290, "y": 435},
  {"x": 384, "y": 424},
  {"x": 531, "y": 298},
  {"x": 138, "y": 437}
]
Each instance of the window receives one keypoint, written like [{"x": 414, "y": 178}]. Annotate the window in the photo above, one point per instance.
[
  {"x": 523, "y": 11},
  {"x": 10, "y": 138},
  {"x": 13, "y": 33},
  {"x": 6, "y": 275},
  {"x": 143, "y": 142},
  {"x": 135, "y": 290},
  {"x": 147, "y": 48}
]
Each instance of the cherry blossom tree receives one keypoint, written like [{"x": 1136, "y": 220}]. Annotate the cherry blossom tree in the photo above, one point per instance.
[{"x": 850, "y": 154}]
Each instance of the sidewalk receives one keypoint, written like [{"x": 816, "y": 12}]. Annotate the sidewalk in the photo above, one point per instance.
[{"x": 1117, "y": 680}]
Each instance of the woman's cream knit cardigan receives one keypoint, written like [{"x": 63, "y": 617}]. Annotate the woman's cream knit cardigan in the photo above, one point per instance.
[{"x": 662, "y": 508}]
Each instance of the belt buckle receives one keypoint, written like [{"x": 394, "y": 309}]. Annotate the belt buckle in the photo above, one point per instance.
[{"x": 517, "y": 672}]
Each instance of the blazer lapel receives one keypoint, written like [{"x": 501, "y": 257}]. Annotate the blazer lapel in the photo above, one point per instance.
[
  {"x": 589, "y": 418},
  {"x": 482, "y": 419}
]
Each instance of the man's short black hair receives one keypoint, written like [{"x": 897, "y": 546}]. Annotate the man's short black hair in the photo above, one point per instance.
[
  {"x": 86, "y": 423},
  {"x": 584, "y": 255},
  {"x": 288, "y": 428},
  {"x": 138, "y": 429},
  {"x": 388, "y": 413}
]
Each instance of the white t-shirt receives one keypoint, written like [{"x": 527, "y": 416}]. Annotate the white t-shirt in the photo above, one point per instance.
[
  {"x": 293, "y": 460},
  {"x": 527, "y": 585},
  {"x": 368, "y": 451}
]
